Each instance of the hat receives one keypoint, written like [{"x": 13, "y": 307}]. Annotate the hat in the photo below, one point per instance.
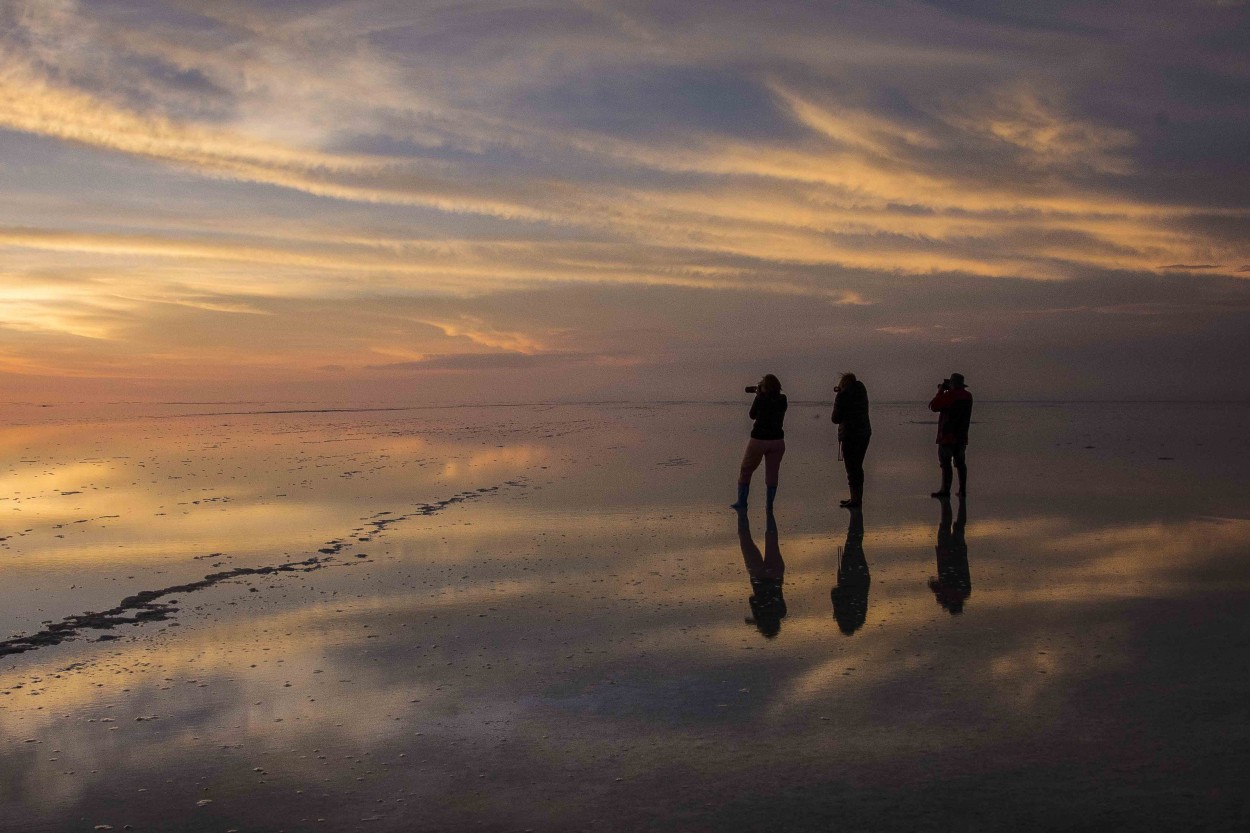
[{"x": 957, "y": 379}]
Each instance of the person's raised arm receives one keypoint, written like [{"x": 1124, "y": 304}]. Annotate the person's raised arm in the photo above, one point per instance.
[
  {"x": 944, "y": 399},
  {"x": 755, "y": 407}
]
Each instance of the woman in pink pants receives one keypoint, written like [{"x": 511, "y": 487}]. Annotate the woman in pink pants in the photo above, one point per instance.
[{"x": 767, "y": 441}]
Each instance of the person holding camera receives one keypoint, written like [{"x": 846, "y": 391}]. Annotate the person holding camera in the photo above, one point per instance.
[
  {"x": 767, "y": 441},
  {"x": 850, "y": 414},
  {"x": 953, "y": 404}
]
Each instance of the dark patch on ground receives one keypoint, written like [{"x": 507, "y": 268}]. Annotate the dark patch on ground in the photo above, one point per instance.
[
  {"x": 378, "y": 522},
  {"x": 142, "y": 607}
]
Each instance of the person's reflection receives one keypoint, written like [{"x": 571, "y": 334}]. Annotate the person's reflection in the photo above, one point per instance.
[
  {"x": 767, "y": 573},
  {"x": 953, "y": 584},
  {"x": 850, "y": 594}
]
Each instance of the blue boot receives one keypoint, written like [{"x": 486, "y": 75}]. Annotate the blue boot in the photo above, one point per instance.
[
  {"x": 741, "y": 505},
  {"x": 772, "y": 493}
]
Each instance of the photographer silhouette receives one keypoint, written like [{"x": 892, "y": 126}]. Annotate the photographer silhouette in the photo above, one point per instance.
[{"x": 953, "y": 404}]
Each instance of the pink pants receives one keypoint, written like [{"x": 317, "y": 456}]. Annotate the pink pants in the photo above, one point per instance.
[{"x": 770, "y": 451}]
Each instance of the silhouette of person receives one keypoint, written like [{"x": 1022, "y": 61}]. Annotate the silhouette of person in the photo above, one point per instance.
[
  {"x": 850, "y": 414},
  {"x": 953, "y": 584},
  {"x": 767, "y": 573},
  {"x": 850, "y": 594},
  {"x": 767, "y": 441},
  {"x": 953, "y": 404}
]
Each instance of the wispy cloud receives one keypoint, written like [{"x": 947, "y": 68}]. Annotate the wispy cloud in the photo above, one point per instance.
[{"x": 486, "y": 361}]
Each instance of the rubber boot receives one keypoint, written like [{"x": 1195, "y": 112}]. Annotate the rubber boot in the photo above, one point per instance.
[
  {"x": 857, "y": 498},
  {"x": 772, "y": 494},
  {"x": 946, "y": 483},
  {"x": 963, "y": 480},
  {"x": 741, "y": 505}
]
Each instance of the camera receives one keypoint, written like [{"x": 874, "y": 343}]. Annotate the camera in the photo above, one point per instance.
[
  {"x": 946, "y": 385},
  {"x": 753, "y": 388}
]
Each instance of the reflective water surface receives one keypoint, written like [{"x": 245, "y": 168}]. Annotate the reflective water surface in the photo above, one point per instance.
[{"x": 547, "y": 618}]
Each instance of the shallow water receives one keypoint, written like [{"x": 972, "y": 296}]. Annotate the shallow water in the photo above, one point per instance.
[{"x": 540, "y": 617}]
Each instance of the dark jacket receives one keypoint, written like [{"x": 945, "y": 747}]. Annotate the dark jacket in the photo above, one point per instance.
[
  {"x": 954, "y": 407},
  {"x": 768, "y": 411},
  {"x": 850, "y": 412}
]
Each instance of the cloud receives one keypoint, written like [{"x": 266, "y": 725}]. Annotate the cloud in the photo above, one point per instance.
[
  {"x": 219, "y": 170},
  {"x": 487, "y": 335},
  {"x": 486, "y": 361},
  {"x": 1045, "y": 137},
  {"x": 32, "y": 104}
]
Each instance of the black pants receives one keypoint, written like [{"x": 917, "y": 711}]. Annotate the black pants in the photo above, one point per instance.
[
  {"x": 853, "y": 451},
  {"x": 947, "y": 453}
]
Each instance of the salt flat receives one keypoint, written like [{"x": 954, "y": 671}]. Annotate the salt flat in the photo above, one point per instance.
[{"x": 538, "y": 617}]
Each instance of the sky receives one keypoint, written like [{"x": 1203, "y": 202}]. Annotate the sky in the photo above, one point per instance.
[{"x": 395, "y": 201}]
